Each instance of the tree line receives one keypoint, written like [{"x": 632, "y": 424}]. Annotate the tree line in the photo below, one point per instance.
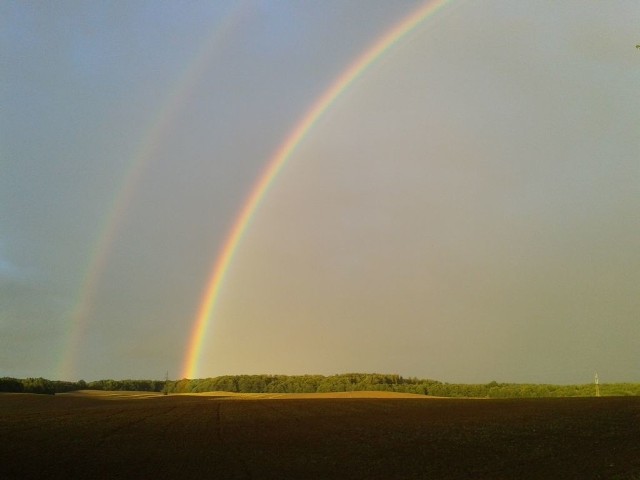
[
  {"x": 353, "y": 382},
  {"x": 350, "y": 382},
  {"x": 51, "y": 387}
]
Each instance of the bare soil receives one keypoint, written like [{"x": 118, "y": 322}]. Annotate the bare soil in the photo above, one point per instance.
[{"x": 359, "y": 436}]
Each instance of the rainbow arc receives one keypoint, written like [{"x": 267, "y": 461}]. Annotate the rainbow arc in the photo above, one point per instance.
[{"x": 277, "y": 163}]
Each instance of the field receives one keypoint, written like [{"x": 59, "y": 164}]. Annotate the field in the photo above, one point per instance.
[{"x": 356, "y": 436}]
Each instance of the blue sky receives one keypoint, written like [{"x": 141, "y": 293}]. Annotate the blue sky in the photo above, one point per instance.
[{"x": 466, "y": 211}]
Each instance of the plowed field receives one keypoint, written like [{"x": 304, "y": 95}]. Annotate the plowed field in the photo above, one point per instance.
[{"x": 91, "y": 435}]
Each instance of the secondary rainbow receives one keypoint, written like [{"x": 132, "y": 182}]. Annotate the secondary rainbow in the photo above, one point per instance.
[
  {"x": 275, "y": 165},
  {"x": 79, "y": 317}
]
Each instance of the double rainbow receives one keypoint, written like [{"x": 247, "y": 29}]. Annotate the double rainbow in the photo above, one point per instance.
[{"x": 139, "y": 163}]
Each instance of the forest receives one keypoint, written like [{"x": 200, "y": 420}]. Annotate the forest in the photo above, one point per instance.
[{"x": 319, "y": 384}]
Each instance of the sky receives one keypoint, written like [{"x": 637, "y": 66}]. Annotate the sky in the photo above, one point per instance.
[{"x": 467, "y": 210}]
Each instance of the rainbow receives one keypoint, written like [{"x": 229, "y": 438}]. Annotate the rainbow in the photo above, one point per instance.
[
  {"x": 277, "y": 163},
  {"x": 141, "y": 159}
]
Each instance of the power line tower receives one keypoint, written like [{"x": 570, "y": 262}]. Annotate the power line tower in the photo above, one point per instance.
[{"x": 597, "y": 384}]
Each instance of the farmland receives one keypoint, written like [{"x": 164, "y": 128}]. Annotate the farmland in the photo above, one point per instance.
[{"x": 350, "y": 435}]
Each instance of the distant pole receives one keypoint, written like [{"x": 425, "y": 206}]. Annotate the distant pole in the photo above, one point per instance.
[
  {"x": 597, "y": 383},
  {"x": 166, "y": 383}
]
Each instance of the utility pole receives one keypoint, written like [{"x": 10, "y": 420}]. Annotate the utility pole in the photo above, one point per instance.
[
  {"x": 597, "y": 383},
  {"x": 166, "y": 383}
]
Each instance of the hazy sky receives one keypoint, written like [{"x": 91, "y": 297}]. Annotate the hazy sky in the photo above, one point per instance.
[{"x": 468, "y": 210}]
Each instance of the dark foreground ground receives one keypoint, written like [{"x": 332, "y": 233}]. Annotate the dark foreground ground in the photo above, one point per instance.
[{"x": 97, "y": 436}]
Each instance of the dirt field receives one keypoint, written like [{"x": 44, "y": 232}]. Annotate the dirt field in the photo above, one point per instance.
[{"x": 115, "y": 435}]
